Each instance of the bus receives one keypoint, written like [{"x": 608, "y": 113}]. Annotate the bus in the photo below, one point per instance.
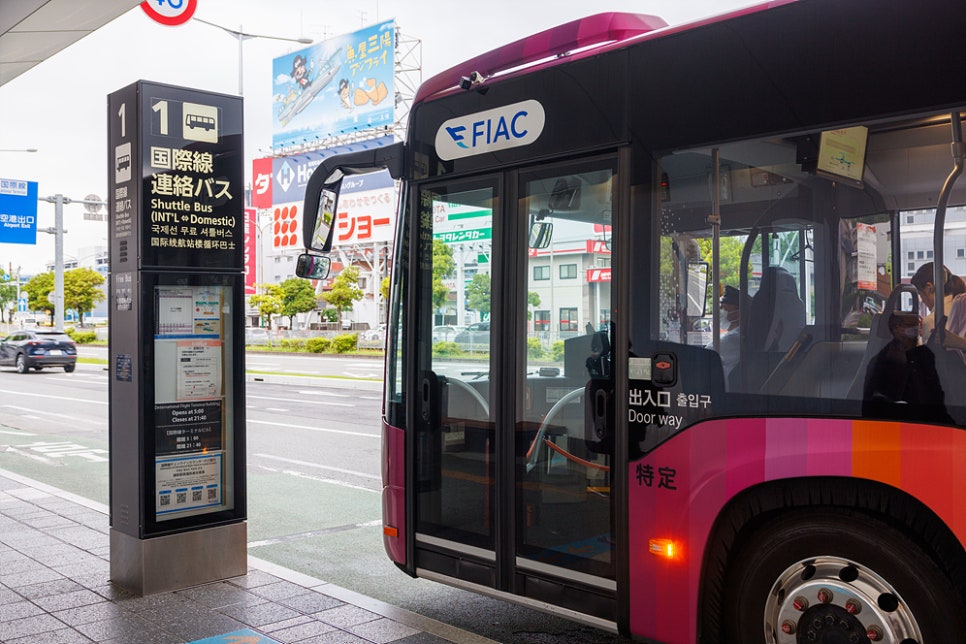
[{"x": 582, "y": 206}]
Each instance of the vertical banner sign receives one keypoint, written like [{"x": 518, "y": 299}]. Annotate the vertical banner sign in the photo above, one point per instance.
[
  {"x": 18, "y": 211},
  {"x": 252, "y": 242},
  {"x": 180, "y": 237},
  {"x": 865, "y": 244}
]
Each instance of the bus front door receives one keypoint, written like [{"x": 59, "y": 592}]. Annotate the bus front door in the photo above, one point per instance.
[{"x": 513, "y": 443}]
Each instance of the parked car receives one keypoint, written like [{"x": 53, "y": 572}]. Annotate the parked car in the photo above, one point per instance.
[
  {"x": 372, "y": 338},
  {"x": 256, "y": 335},
  {"x": 476, "y": 337},
  {"x": 445, "y": 333},
  {"x": 30, "y": 349}
]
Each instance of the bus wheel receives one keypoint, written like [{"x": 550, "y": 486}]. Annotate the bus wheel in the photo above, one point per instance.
[{"x": 836, "y": 575}]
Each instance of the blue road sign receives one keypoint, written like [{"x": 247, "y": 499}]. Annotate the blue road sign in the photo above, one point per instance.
[{"x": 18, "y": 211}]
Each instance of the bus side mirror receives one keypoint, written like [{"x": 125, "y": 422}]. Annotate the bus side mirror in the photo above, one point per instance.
[
  {"x": 313, "y": 267},
  {"x": 541, "y": 233},
  {"x": 697, "y": 289},
  {"x": 321, "y": 220}
]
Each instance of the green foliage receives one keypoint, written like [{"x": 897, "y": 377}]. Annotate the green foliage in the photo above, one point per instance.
[
  {"x": 443, "y": 266},
  {"x": 293, "y": 344},
  {"x": 8, "y": 297},
  {"x": 38, "y": 288},
  {"x": 557, "y": 351},
  {"x": 268, "y": 302},
  {"x": 81, "y": 337},
  {"x": 533, "y": 299},
  {"x": 345, "y": 343},
  {"x": 328, "y": 315},
  {"x": 446, "y": 350},
  {"x": 318, "y": 345},
  {"x": 345, "y": 290},
  {"x": 384, "y": 287},
  {"x": 535, "y": 349},
  {"x": 82, "y": 290},
  {"x": 479, "y": 294},
  {"x": 298, "y": 296}
]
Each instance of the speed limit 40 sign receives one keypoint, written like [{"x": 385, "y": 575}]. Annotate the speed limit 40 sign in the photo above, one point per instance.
[{"x": 170, "y": 12}]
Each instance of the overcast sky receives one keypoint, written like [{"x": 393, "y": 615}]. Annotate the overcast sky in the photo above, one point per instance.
[{"x": 59, "y": 106}]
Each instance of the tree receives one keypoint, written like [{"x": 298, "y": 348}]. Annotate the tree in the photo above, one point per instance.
[
  {"x": 8, "y": 297},
  {"x": 384, "y": 287},
  {"x": 533, "y": 299},
  {"x": 345, "y": 291},
  {"x": 38, "y": 288},
  {"x": 443, "y": 266},
  {"x": 268, "y": 303},
  {"x": 478, "y": 294},
  {"x": 298, "y": 296},
  {"x": 82, "y": 290}
]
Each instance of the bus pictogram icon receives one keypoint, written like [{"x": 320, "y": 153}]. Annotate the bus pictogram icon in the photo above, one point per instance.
[{"x": 199, "y": 122}]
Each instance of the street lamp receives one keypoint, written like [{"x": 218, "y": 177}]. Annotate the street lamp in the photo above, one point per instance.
[
  {"x": 242, "y": 37},
  {"x": 58, "y": 232}
]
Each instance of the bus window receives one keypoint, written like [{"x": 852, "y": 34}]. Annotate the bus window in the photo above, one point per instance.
[
  {"x": 455, "y": 442},
  {"x": 568, "y": 302},
  {"x": 811, "y": 258}
]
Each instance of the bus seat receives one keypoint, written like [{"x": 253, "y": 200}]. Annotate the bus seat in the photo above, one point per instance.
[
  {"x": 775, "y": 317},
  {"x": 879, "y": 335},
  {"x": 816, "y": 370},
  {"x": 777, "y": 313}
]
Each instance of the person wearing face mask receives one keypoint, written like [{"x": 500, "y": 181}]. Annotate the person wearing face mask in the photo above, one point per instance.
[
  {"x": 923, "y": 281},
  {"x": 901, "y": 381},
  {"x": 729, "y": 343}
]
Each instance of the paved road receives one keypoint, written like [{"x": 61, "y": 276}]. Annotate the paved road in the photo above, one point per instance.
[{"x": 313, "y": 481}]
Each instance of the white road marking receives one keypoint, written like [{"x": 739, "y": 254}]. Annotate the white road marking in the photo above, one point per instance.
[
  {"x": 16, "y": 433},
  {"x": 372, "y": 477},
  {"x": 92, "y": 421},
  {"x": 83, "y": 400},
  {"x": 304, "y": 402},
  {"x": 314, "y": 429},
  {"x": 316, "y": 392}
]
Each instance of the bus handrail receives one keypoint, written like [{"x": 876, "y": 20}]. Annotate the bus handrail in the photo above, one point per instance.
[
  {"x": 576, "y": 459},
  {"x": 939, "y": 270}
]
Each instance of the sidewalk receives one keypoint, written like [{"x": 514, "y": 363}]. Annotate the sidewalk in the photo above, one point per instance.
[{"x": 55, "y": 589}]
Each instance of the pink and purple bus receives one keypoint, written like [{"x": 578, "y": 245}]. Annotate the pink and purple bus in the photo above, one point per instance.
[{"x": 653, "y": 359}]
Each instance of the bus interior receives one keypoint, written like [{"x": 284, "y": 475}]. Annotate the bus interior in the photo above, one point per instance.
[{"x": 814, "y": 255}]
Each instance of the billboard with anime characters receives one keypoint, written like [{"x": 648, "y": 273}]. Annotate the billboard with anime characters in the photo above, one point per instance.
[{"x": 341, "y": 85}]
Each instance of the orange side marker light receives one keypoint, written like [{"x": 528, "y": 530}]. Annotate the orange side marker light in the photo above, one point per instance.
[{"x": 661, "y": 548}]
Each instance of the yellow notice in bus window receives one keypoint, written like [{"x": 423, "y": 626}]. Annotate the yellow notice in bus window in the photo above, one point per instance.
[{"x": 842, "y": 152}]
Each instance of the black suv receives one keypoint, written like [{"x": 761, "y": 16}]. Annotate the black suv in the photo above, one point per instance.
[{"x": 38, "y": 349}]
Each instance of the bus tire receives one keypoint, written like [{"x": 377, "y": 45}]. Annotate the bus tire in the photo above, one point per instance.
[{"x": 834, "y": 572}]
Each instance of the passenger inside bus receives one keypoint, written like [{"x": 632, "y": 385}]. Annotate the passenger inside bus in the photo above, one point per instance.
[
  {"x": 729, "y": 347},
  {"x": 923, "y": 281},
  {"x": 901, "y": 381}
]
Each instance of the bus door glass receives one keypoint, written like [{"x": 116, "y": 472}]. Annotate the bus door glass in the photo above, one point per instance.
[
  {"x": 454, "y": 463},
  {"x": 563, "y": 450}
]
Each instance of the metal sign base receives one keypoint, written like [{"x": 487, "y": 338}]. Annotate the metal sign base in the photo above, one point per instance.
[{"x": 178, "y": 561}]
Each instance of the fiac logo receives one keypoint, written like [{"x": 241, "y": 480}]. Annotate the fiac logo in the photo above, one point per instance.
[{"x": 505, "y": 127}]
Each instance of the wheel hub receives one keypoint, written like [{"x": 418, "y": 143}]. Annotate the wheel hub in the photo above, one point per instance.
[{"x": 831, "y": 600}]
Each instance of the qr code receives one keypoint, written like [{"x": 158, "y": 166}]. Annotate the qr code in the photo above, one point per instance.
[
  {"x": 195, "y": 495},
  {"x": 182, "y": 497},
  {"x": 212, "y": 494},
  {"x": 165, "y": 499}
]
